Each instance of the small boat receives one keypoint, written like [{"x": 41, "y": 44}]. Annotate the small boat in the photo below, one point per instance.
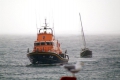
[
  {"x": 85, "y": 52},
  {"x": 46, "y": 49}
]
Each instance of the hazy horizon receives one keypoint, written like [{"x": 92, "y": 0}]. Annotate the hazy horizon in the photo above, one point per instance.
[
  {"x": 23, "y": 16},
  {"x": 67, "y": 34}
]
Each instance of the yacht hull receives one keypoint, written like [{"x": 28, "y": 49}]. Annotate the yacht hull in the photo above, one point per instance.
[{"x": 86, "y": 54}]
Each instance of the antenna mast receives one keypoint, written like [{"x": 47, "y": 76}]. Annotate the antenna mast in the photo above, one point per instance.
[
  {"x": 83, "y": 37},
  {"x": 45, "y": 27}
]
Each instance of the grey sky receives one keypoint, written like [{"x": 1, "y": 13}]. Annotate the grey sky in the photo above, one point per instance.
[{"x": 98, "y": 16}]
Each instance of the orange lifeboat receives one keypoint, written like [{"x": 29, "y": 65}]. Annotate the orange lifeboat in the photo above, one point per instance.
[{"x": 46, "y": 49}]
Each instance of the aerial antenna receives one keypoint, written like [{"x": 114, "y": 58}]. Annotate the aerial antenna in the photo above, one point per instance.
[
  {"x": 36, "y": 24},
  {"x": 53, "y": 29},
  {"x": 36, "y": 20},
  {"x": 40, "y": 21},
  {"x": 84, "y": 42},
  {"x": 53, "y": 24}
]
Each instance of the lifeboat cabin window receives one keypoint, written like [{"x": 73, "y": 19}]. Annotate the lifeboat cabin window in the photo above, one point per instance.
[
  {"x": 36, "y": 44},
  {"x": 42, "y": 43},
  {"x": 49, "y": 43}
]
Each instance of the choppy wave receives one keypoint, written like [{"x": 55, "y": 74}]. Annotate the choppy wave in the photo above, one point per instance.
[{"x": 104, "y": 65}]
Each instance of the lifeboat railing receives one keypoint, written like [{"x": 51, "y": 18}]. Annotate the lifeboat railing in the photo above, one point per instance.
[{"x": 45, "y": 29}]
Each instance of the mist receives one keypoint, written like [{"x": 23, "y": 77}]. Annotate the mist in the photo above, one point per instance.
[{"x": 25, "y": 16}]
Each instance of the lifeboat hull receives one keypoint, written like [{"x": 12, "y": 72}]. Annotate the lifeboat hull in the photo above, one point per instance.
[
  {"x": 46, "y": 58},
  {"x": 86, "y": 54}
]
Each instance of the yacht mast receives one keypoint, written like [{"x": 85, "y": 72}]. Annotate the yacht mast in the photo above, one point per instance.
[{"x": 83, "y": 37}]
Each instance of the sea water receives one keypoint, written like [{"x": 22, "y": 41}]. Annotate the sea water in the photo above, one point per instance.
[{"x": 104, "y": 64}]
